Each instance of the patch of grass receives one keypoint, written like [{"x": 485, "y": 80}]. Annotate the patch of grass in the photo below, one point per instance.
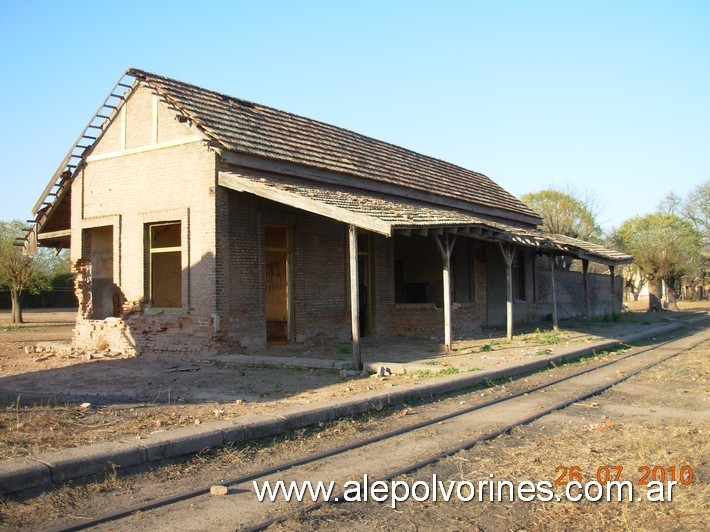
[
  {"x": 542, "y": 352},
  {"x": 550, "y": 339},
  {"x": 473, "y": 369},
  {"x": 431, "y": 363},
  {"x": 345, "y": 350},
  {"x": 449, "y": 370},
  {"x": 485, "y": 348}
]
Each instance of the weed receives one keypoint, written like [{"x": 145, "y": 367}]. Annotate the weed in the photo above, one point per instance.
[
  {"x": 542, "y": 352},
  {"x": 101, "y": 343},
  {"x": 345, "y": 350},
  {"x": 473, "y": 369},
  {"x": 485, "y": 348},
  {"x": 449, "y": 370},
  {"x": 550, "y": 339},
  {"x": 431, "y": 363}
]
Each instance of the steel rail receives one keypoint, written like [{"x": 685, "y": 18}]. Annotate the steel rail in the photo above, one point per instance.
[{"x": 158, "y": 503}]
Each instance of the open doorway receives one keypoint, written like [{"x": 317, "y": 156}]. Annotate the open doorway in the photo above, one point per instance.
[
  {"x": 365, "y": 282},
  {"x": 277, "y": 275},
  {"x": 99, "y": 249}
]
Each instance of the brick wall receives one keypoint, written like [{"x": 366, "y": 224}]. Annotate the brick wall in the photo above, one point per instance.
[
  {"x": 319, "y": 274},
  {"x": 164, "y": 174}
]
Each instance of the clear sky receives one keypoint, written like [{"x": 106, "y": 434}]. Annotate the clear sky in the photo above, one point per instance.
[{"x": 611, "y": 98}]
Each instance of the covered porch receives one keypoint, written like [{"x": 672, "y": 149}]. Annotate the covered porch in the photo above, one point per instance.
[{"x": 402, "y": 218}]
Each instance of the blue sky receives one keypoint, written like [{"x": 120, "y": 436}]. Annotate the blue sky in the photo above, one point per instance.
[{"x": 610, "y": 98}]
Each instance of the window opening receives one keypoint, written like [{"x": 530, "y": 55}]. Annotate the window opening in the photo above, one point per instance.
[{"x": 165, "y": 252}]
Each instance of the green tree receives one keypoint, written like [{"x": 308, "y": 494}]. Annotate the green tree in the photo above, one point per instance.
[
  {"x": 564, "y": 214},
  {"x": 19, "y": 272},
  {"x": 665, "y": 247},
  {"x": 697, "y": 210}
]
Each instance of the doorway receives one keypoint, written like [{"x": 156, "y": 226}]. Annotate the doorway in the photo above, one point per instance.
[
  {"x": 364, "y": 276},
  {"x": 277, "y": 275}
]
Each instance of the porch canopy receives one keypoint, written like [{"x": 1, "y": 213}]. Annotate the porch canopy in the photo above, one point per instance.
[{"x": 388, "y": 215}]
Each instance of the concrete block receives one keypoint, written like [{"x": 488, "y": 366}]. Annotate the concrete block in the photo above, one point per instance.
[
  {"x": 178, "y": 442},
  {"x": 233, "y": 432},
  {"x": 91, "y": 459},
  {"x": 298, "y": 416},
  {"x": 262, "y": 426},
  {"x": 17, "y": 474}
]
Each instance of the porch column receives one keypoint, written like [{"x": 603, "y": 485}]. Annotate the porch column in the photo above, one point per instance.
[
  {"x": 554, "y": 293},
  {"x": 612, "y": 297},
  {"x": 585, "y": 281},
  {"x": 508, "y": 251},
  {"x": 446, "y": 248},
  {"x": 354, "y": 297}
]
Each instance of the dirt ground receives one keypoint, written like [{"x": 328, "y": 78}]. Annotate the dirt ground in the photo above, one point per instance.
[
  {"x": 659, "y": 418},
  {"x": 51, "y": 401},
  {"x": 631, "y": 425}
]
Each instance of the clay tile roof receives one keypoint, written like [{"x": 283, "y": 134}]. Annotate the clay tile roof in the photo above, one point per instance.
[
  {"x": 384, "y": 213},
  {"x": 250, "y": 128}
]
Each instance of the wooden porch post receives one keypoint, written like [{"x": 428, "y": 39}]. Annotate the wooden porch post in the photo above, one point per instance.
[
  {"x": 612, "y": 297},
  {"x": 354, "y": 297},
  {"x": 585, "y": 281},
  {"x": 555, "y": 325},
  {"x": 508, "y": 252},
  {"x": 446, "y": 248}
]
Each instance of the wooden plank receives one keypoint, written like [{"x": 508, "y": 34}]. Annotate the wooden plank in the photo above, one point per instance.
[
  {"x": 555, "y": 325},
  {"x": 354, "y": 296},
  {"x": 54, "y": 234},
  {"x": 445, "y": 249},
  {"x": 612, "y": 296},
  {"x": 585, "y": 281},
  {"x": 508, "y": 251}
]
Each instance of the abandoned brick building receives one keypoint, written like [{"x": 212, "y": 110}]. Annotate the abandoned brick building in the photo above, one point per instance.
[{"x": 202, "y": 222}]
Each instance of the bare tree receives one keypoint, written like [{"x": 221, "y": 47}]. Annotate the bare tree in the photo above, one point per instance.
[{"x": 19, "y": 272}]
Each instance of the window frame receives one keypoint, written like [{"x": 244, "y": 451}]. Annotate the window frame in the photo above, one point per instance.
[{"x": 152, "y": 251}]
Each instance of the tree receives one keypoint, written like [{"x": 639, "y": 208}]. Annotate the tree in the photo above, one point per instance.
[
  {"x": 697, "y": 210},
  {"x": 665, "y": 247},
  {"x": 671, "y": 204},
  {"x": 564, "y": 214},
  {"x": 19, "y": 272}
]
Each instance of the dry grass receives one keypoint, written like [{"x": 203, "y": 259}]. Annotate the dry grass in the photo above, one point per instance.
[
  {"x": 97, "y": 495},
  {"x": 534, "y": 452},
  {"x": 28, "y": 429}
]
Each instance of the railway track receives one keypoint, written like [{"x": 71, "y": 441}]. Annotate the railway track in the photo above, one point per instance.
[{"x": 425, "y": 442}]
